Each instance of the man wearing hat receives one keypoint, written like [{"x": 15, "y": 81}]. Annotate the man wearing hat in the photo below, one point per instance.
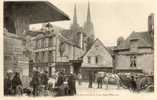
[{"x": 8, "y": 83}]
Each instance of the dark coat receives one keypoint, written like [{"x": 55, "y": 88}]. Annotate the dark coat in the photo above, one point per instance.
[
  {"x": 7, "y": 86},
  {"x": 35, "y": 80},
  {"x": 44, "y": 79},
  {"x": 133, "y": 84},
  {"x": 72, "y": 84},
  {"x": 60, "y": 80},
  {"x": 15, "y": 82}
]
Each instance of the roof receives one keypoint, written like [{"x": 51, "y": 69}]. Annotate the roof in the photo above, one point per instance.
[
  {"x": 71, "y": 35},
  {"x": 68, "y": 34},
  {"x": 144, "y": 40},
  {"x": 38, "y": 11},
  {"x": 109, "y": 49}
]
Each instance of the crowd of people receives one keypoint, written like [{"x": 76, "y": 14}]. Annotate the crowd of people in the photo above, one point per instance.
[
  {"x": 41, "y": 84},
  {"x": 12, "y": 83},
  {"x": 61, "y": 84}
]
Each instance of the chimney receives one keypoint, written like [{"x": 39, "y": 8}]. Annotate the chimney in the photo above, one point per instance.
[{"x": 151, "y": 23}]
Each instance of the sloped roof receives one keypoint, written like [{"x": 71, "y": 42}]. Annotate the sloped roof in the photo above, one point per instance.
[
  {"x": 109, "y": 49},
  {"x": 38, "y": 11},
  {"x": 143, "y": 40},
  {"x": 67, "y": 34}
]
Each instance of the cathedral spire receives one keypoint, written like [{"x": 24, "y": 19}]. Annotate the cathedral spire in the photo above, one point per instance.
[
  {"x": 75, "y": 24},
  {"x": 75, "y": 15},
  {"x": 88, "y": 13},
  {"x": 88, "y": 25}
]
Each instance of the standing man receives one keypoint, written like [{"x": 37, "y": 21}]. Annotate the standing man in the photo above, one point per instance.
[
  {"x": 90, "y": 79},
  {"x": 133, "y": 84},
  {"x": 16, "y": 82},
  {"x": 35, "y": 82},
  {"x": 72, "y": 84},
  {"x": 44, "y": 79},
  {"x": 8, "y": 83},
  {"x": 79, "y": 78}
]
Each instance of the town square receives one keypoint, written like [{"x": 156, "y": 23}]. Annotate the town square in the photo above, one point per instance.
[{"x": 42, "y": 58}]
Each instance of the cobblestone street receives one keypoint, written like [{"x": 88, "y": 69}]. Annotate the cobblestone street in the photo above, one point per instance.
[{"x": 112, "y": 90}]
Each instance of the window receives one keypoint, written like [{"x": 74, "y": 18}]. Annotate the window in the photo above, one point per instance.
[
  {"x": 42, "y": 43},
  {"x": 39, "y": 44},
  {"x": 37, "y": 57},
  {"x": 96, "y": 60},
  {"x": 133, "y": 61},
  {"x": 51, "y": 56},
  {"x": 36, "y": 44},
  {"x": 89, "y": 59},
  {"x": 51, "y": 41},
  {"x": 133, "y": 46},
  {"x": 62, "y": 48},
  {"x": 43, "y": 57},
  {"x": 46, "y": 42}
]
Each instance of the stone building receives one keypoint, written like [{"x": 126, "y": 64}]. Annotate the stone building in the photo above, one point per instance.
[
  {"x": 136, "y": 53},
  {"x": 60, "y": 48},
  {"x": 52, "y": 49},
  {"x": 17, "y": 18},
  {"x": 97, "y": 58}
]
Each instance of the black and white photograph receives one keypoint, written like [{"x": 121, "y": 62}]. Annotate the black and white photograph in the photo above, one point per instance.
[{"x": 59, "y": 48}]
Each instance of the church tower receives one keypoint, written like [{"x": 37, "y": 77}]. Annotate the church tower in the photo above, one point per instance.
[
  {"x": 89, "y": 29},
  {"x": 88, "y": 25},
  {"x": 75, "y": 25}
]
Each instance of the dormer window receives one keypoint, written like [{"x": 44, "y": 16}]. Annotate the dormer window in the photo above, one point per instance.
[
  {"x": 133, "y": 45},
  {"x": 89, "y": 59},
  {"x": 96, "y": 59}
]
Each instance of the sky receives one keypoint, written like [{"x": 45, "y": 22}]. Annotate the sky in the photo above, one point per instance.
[{"x": 111, "y": 18}]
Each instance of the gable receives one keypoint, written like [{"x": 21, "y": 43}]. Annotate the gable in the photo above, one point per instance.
[
  {"x": 100, "y": 52},
  {"x": 97, "y": 48}
]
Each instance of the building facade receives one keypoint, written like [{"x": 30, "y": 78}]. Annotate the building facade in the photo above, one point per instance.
[
  {"x": 136, "y": 53},
  {"x": 62, "y": 49},
  {"x": 17, "y": 18},
  {"x": 52, "y": 49},
  {"x": 98, "y": 58}
]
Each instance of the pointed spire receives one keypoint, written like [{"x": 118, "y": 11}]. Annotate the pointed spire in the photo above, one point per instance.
[
  {"x": 74, "y": 25},
  {"x": 88, "y": 13},
  {"x": 75, "y": 15},
  {"x": 88, "y": 25}
]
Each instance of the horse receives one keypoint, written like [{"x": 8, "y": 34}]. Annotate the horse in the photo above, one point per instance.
[
  {"x": 111, "y": 78},
  {"x": 108, "y": 78},
  {"x": 52, "y": 81}
]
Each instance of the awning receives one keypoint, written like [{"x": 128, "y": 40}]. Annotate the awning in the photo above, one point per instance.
[
  {"x": 129, "y": 70},
  {"x": 37, "y": 11}
]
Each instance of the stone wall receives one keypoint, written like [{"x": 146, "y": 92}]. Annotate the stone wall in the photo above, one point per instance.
[
  {"x": 14, "y": 59},
  {"x": 144, "y": 61}
]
